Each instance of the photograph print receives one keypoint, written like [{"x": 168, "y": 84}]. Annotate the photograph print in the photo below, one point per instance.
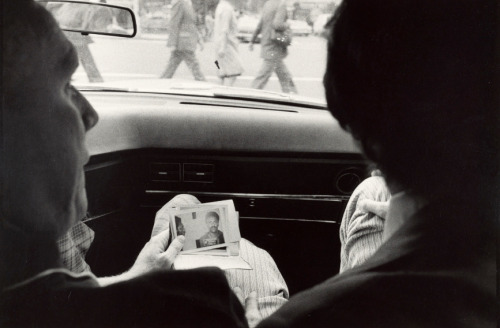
[{"x": 203, "y": 227}]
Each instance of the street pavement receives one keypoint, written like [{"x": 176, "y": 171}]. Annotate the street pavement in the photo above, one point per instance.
[{"x": 147, "y": 57}]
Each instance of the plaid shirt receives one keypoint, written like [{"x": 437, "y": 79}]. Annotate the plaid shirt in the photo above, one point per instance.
[{"x": 74, "y": 246}]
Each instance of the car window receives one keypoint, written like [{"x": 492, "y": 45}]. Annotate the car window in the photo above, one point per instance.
[{"x": 161, "y": 48}]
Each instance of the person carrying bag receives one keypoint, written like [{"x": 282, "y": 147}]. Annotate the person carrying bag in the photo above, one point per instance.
[
  {"x": 281, "y": 34},
  {"x": 275, "y": 39}
]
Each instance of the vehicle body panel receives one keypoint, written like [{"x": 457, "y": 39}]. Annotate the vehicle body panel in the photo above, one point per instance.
[{"x": 129, "y": 121}]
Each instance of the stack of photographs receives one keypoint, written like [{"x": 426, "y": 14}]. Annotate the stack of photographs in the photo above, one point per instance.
[{"x": 209, "y": 229}]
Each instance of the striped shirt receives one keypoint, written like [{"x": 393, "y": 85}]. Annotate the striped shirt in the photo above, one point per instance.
[
  {"x": 360, "y": 231},
  {"x": 265, "y": 279}
]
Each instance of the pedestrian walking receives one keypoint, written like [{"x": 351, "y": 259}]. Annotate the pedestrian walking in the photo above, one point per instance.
[
  {"x": 209, "y": 27},
  {"x": 228, "y": 60},
  {"x": 274, "y": 16},
  {"x": 78, "y": 17},
  {"x": 183, "y": 39}
]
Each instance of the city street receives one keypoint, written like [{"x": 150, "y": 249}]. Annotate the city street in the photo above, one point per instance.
[{"x": 146, "y": 58}]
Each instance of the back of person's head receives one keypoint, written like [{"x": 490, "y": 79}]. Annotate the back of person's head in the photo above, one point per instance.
[
  {"x": 21, "y": 27},
  {"x": 412, "y": 80},
  {"x": 25, "y": 27}
]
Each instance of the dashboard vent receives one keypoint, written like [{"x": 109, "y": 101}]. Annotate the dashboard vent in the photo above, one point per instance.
[
  {"x": 348, "y": 180},
  {"x": 165, "y": 172},
  {"x": 196, "y": 172}
]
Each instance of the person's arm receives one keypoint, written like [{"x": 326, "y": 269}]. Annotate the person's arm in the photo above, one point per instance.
[
  {"x": 155, "y": 256},
  {"x": 270, "y": 288},
  {"x": 200, "y": 40},
  {"x": 224, "y": 20},
  {"x": 361, "y": 230},
  {"x": 188, "y": 298},
  {"x": 363, "y": 237},
  {"x": 175, "y": 23},
  {"x": 255, "y": 34}
]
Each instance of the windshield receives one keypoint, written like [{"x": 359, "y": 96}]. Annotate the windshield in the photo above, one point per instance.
[{"x": 213, "y": 41}]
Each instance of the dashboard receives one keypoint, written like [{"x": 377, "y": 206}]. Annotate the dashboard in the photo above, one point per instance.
[{"x": 289, "y": 170}]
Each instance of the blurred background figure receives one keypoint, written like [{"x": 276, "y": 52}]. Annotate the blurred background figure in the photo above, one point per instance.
[
  {"x": 274, "y": 16},
  {"x": 81, "y": 17},
  {"x": 226, "y": 43},
  {"x": 183, "y": 39},
  {"x": 209, "y": 27},
  {"x": 181, "y": 230},
  {"x": 100, "y": 18}
]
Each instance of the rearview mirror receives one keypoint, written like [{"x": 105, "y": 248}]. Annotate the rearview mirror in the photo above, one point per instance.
[{"x": 93, "y": 18}]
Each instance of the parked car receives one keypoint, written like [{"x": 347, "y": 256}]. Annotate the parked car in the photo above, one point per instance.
[
  {"x": 319, "y": 24},
  {"x": 156, "y": 22},
  {"x": 300, "y": 28},
  {"x": 246, "y": 26}
]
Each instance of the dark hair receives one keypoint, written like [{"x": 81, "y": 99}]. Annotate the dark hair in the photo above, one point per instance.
[
  {"x": 412, "y": 80},
  {"x": 212, "y": 213}
]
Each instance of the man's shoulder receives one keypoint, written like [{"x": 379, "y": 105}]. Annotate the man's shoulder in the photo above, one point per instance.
[
  {"x": 374, "y": 188},
  {"x": 387, "y": 299},
  {"x": 143, "y": 301},
  {"x": 323, "y": 303}
]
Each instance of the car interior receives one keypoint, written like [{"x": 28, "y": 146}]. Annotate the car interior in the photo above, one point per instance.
[
  {"x": 288, "y": 167},
  {"x": 284, "y": 161}
]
